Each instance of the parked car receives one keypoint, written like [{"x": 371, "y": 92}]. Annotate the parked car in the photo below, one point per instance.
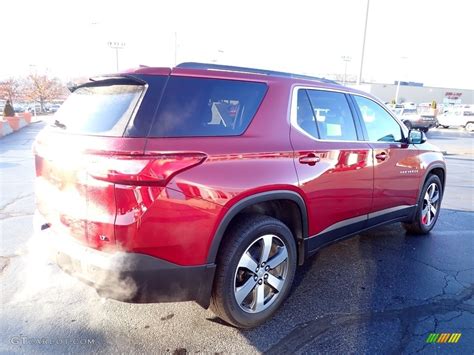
[
  {"x": 409, "y": 105},
  {"x": 461, "y": 117},
  {"x": 18, "y": 108},
  {"x": 218, "y": 191},
  {"x": 34, "y": 108},
  {"x": 53, "y": 108},
  {"x": 412, "y": 119}
]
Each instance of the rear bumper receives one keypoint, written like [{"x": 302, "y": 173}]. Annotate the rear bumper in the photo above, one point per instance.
[{"x": 130, "y": 277}]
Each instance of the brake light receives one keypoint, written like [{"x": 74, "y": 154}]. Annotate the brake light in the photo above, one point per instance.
[{"x": 143, "y": 170}]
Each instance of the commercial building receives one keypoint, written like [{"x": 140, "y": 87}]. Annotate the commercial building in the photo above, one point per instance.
[{"x": 417, "y": 93}]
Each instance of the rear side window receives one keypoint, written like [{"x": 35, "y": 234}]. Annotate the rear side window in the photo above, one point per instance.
[
  {"x": 206, "y": 107},
  {"x": 102, "y": 108},
  {"x": 333, "y": 115}
]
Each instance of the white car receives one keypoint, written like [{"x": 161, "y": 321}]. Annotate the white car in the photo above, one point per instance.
[{"x": 463, "y": 117}]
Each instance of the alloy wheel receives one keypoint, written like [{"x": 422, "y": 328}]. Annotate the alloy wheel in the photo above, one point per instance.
[
  {"x": 261, "y": 274},
  {"x": 430, "y": 204}
]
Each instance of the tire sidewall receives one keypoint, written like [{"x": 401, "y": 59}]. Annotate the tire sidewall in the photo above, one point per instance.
[{"x": 233, "y": 309}]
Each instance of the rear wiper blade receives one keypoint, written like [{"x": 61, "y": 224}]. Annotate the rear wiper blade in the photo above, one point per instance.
[{"x": 59, "y": 124}]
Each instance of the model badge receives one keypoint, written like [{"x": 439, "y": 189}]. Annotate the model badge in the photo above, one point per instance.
[{"x": 414, "y": 171}]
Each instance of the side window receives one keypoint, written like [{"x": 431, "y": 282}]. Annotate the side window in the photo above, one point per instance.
[
  {"x": 197, "y": 107},
  {"x": 333, "y": 115},
  {"x": 380, "y": 126},
  {"x": 305, "y": 115}
]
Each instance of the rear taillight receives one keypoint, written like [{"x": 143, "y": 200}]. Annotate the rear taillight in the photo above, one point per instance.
[{"x": 142, "y": 170}]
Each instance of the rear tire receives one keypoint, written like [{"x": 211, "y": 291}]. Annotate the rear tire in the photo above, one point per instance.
[
  {"x": 255, "y": 269},
  {"x": 429, "y": 206},
  {"x": 470, "y": 127}
]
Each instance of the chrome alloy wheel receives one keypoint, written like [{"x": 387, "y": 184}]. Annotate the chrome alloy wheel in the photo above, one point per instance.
[
  {"x": 261, "y": 274},
  {"x": 430, "y": 204}
]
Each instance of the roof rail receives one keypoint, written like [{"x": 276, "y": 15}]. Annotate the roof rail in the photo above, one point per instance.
[{"x": 206, "y": 66}]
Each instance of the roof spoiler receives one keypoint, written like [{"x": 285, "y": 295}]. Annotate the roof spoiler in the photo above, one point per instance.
[{"x": 107, "y": 79}]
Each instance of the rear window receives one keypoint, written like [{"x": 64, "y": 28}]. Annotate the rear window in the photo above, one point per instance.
[
  {"x": 100, "y": 108},
  {"x": 206, "y": 107}
]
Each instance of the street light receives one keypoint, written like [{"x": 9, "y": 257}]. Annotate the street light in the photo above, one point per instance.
[
  {"x": 359, "y": 78},
  {"x": 116, "y": 46},
  {"x": 346, "y": 60}
]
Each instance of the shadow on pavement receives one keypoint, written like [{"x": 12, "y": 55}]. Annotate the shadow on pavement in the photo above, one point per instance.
[{"x": 381, "y": 291}]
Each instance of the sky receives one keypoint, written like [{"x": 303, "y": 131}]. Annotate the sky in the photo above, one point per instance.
[{"x": 411, "y": 40}]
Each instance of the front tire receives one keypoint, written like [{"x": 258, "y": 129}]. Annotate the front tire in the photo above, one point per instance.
[
  {"x": 255, "y": 269},
  {"x": 429, "y": 206},
  {"x": 470, "y": 127}
]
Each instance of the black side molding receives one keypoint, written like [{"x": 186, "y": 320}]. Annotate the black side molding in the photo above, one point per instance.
[
  {"x": 315, "y": 243},
  {"x": 248, "y": 201}
]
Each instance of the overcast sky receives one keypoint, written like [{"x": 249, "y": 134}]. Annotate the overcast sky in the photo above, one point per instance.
[{"x": 69, "y": 39}]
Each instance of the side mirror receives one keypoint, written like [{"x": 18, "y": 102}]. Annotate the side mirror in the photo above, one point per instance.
[{"x": 416, "y": 137}]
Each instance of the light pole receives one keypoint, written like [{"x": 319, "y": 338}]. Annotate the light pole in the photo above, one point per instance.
[
  {"x": 116, "y": 46},
  {"x": 346, "y": 60},
  {"x": 359, "y": 78}
]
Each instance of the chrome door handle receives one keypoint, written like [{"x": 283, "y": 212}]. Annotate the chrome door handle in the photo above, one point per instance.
[
  {"x": 309, "y": 159},
  {"x": 381, "y": 156}
]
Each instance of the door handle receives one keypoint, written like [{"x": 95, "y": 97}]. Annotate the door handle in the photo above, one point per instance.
[
  {"x": 381, "y": 156},
  {"x": 309, "y": 159}
]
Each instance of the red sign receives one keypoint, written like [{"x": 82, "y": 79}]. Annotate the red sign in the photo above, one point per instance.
[{"x": 453, "y": 95}]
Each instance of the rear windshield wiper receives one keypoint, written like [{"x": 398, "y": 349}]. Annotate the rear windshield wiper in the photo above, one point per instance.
[{"x": 59, "y": 124}]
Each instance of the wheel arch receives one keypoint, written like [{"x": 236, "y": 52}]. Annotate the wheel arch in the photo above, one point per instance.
[
  {"x": 261, "y": 203},
  {"x": 438, "y": 169}
]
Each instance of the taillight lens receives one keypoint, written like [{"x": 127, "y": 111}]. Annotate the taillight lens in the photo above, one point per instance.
[{"x": 143, "y": 170}]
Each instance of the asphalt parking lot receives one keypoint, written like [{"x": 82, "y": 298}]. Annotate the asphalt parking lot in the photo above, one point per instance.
[{"x": 382, "y": 291}]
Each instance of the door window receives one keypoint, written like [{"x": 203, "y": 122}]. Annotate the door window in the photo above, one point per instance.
[
  {"x": 304, "y": 114},
  {"x": 380, "y": 126},
  {"x": 333, "y": 115}
]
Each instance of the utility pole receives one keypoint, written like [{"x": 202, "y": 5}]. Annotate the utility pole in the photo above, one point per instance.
[
  {"x": 116, "y": 46},
  {"x": 359, "y": 78},
  {"x": 346, "y": 60}
]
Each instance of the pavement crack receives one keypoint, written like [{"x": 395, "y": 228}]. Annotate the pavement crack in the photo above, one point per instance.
[
  {"x": 308, "y": 332},
  {"x": 15, "y": 200},
  {"x": 5, "y": 262}
]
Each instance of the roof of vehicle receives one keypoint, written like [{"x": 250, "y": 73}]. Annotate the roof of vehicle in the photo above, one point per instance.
[{"x": 243, "y": 73}]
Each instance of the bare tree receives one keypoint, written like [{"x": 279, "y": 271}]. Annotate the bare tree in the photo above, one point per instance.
[
  {"x": 10, "y": 89},
  {"x": 41, "y": 88}
]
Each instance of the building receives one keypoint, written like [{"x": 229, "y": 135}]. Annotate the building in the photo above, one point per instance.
[{"x": 417, "y": 93}]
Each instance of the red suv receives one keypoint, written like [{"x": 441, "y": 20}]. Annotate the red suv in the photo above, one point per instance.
[{"x": 213, "y": 183}]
